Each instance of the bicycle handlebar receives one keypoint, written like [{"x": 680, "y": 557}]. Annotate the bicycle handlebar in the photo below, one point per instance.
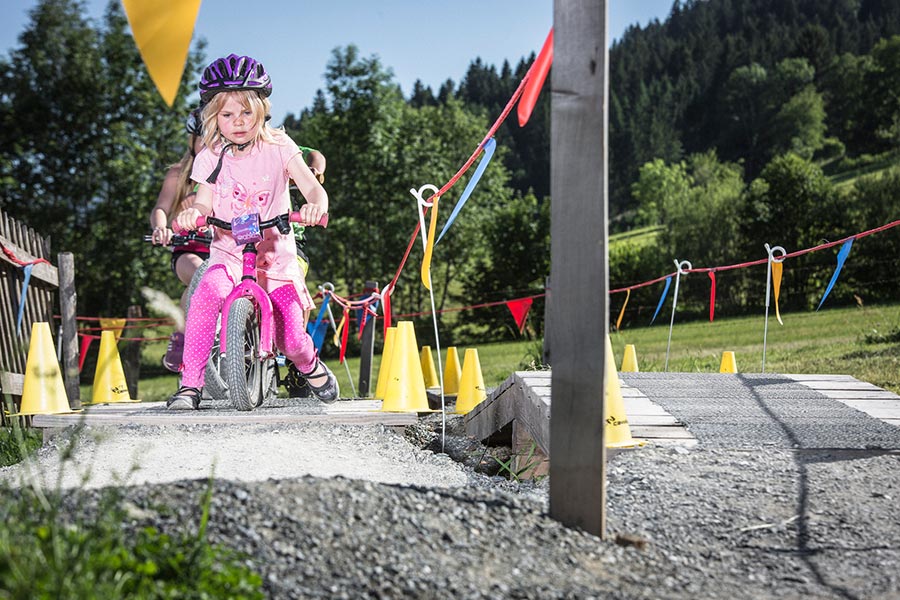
[
  {"x": 281, "y": 221},
  {"x": 184, "y": 239}
]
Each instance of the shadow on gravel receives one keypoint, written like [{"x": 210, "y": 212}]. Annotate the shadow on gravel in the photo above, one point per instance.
[{"x": 803, "y": 457}]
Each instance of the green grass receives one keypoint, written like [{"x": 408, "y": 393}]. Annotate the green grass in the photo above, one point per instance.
[
  {"x": 639, "y": 237},
  {"x": 857, "y": 341}
]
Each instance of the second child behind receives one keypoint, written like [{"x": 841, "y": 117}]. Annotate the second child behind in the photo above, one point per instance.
[{"x": 245, "y": 167}]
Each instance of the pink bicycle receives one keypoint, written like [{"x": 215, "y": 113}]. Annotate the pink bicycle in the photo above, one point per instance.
[{"x": 249, "y": 367}]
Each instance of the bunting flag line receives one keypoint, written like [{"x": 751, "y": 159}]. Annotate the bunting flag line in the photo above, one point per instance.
[
  {"x": 346, "y": 331},
  {"x": 22, "y": 297},
  {"x": 662, "y": 298},
  {"x": 777, "y": 270},
  {"x": 712, "y": 295},
  {"x": 336, "y": 338},
  {"x": 538, "y": 75},
  {"x": 429, "y": 248},
  {"x": 841, "y": 258},
  {"x": 519, "y": 309},
  {"x": 316, "y": 330},
  {"x": 489, "y": 148},
  {"x": 622, "y": 312},
  {"x": 162, "y": 33}
]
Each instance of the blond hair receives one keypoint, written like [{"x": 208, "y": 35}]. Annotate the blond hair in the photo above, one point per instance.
[
  {"x": 251, "y": 100},
  {"x": 184, "y": 186}
]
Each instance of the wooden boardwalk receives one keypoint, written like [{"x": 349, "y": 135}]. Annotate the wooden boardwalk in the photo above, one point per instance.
[
  {"x": 280, "y": 410},
  {"x": 523, "y": 401}
]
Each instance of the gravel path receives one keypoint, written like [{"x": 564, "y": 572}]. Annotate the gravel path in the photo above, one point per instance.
[{"x": 347, "y": 512}]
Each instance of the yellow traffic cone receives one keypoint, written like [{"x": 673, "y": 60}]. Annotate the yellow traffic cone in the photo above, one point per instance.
[
  {"x": 109, "y": 378},
  {"x": 629, "y": 361},
  {"x": 428, "y": 370},
  {"x": 384, "y": 370},
  {"x": 452, "y": 372},
  {"x": 728, "y": 364},
  {"x": 471, "y": 384},
  {"x": 617, "y": 432},
  {"x": 405, "y": 390},
  {"x": 43, "y": 392}
]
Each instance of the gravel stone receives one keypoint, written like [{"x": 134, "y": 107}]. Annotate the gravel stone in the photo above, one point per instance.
[{"x": 327, "y": 511}]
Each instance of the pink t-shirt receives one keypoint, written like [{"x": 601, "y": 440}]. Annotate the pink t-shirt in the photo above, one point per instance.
[{"x": 256, "y": 182}]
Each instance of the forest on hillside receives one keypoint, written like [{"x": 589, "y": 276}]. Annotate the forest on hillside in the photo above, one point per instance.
[{"x": 730, "y": 123}]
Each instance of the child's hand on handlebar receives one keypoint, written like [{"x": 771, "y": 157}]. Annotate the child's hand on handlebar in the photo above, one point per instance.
[
  {"x": 187, "y": 219},
  {"x": 161, "y": 236},
  {"x": 311, "y": 214}
]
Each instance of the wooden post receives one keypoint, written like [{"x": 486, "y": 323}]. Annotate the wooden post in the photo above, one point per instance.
[
  {"x": 579, "y": 307},
  {"x": 367, "y": 346},
  {"x": 68, "y": 304},
  {"x": 131, "y": 354}
]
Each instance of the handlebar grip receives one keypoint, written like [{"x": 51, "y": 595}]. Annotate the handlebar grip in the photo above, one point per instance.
[
  {"x": 323, "y": 222},
  {"x": 201, "y": 221}
]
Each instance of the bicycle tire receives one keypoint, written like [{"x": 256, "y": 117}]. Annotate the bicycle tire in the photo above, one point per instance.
[
  {"x": 214, "y": 387},
  {"x": 244, "y": 371}
]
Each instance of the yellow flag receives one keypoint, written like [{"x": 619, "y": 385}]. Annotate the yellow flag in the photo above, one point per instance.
[
  {"x": 622, "y": 312},
  {"x": 777, "y": 268},
  {"x": 162, "y": 30},
  {"x": 429, "y": 247},
  {"x": 115, "y": 325},
  {"x": 337, "y": 332}
]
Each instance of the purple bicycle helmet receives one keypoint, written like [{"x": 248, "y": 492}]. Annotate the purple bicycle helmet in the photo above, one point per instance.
[{"x": 234, "y": 73}]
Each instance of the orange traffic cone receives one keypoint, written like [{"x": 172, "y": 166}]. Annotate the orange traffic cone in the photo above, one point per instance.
[
  {"x": 471, "y": 384},
  {"x": 617, "y": 432},
  {"x": 43, "y": 392},
  {"x": 109, "y": 378},
  {"x": 452, "y": 372}
]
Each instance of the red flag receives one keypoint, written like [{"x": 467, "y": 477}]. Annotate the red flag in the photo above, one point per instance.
[
  {"x": 539, "y": 71},
  {"x": 712, "y": 296},
  {"x": 386, "y": 307},
  {"x": 519, "y": 309}
]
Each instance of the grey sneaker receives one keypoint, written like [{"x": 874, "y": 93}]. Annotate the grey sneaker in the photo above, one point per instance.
[
  {"x": 186, "y": 398},
  {"x": 328, "y": 391}
]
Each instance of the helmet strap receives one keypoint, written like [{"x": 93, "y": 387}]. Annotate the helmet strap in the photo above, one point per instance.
[{"x": 215, "y": 174}]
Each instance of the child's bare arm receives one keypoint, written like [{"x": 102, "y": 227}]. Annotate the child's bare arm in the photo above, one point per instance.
[
  {"x": 187, "y": 219},
  {"x": 316, "y": 196}
]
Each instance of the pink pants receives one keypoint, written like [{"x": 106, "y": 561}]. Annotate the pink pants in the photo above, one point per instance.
[{"x": 206, "y": 304}]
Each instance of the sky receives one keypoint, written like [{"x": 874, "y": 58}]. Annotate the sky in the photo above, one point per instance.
[{"x": 430, "y": 40}]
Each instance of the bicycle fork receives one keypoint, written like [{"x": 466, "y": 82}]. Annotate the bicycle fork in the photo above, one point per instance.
[{"x": 249, "y": 288}]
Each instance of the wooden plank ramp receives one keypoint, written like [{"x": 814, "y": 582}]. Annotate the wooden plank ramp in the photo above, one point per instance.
[
  {"x": 281, "y": 410},
  {"x": 861, "y": 395}
]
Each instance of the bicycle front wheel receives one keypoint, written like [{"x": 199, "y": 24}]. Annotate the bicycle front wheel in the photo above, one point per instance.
[{"x": 245, "y": 372}]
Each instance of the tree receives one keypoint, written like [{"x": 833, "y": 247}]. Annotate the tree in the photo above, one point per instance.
[{"x": 85, "y": 142}]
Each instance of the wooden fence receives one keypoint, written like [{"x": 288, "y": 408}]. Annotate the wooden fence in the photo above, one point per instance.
[{"x": 21, "y": 246}]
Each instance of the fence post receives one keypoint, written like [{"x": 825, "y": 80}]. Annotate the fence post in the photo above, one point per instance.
[
  {"x": 367, "y": 345},
  {"x": 68, "y": 304},
  {"x": 131, "y": 354}
]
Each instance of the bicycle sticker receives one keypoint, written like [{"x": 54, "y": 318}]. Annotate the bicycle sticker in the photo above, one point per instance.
[{"x": 245, "y": 229}]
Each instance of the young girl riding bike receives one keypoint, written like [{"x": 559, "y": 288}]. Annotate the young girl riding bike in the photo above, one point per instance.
[
  {"x": 245, "y": 168},
  {"x": 177, "y": 193}
]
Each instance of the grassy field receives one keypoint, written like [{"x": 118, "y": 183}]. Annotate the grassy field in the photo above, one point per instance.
[{"x": 860, "y": 341}]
